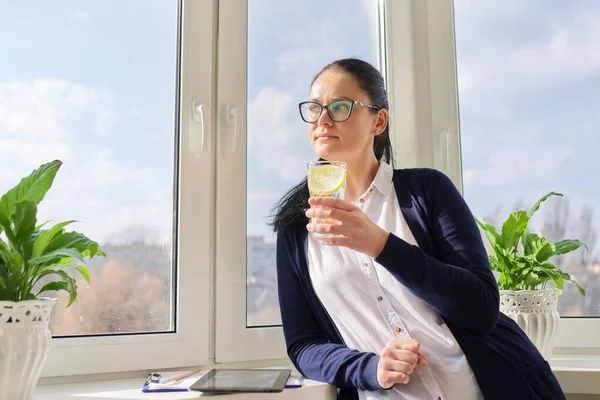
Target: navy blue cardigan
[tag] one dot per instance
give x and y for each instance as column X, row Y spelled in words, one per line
column 449, row 270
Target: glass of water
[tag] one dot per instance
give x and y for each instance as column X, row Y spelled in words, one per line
column 326, row 179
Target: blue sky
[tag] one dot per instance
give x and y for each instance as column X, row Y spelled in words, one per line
column 93, row 87
column 92, row 83
column 529, row 92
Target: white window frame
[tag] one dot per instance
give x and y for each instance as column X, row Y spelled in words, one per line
column 234, row 341
column 190, row 345
column 424, row 99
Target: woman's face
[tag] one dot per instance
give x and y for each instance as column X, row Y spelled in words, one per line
column 351, row 139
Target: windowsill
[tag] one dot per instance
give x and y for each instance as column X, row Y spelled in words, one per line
column 580, row 375
column 130, row 388
column 577, row 374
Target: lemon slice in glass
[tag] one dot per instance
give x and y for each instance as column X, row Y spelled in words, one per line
column 324, row 180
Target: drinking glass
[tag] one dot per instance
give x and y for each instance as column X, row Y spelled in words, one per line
column 326, row 179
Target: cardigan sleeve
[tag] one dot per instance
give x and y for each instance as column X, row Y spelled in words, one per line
column 458, row 283
column 312, row 353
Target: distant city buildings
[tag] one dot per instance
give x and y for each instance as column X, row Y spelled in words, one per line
column 261, row 274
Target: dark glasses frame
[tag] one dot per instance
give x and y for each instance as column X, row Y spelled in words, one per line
column 329, row 112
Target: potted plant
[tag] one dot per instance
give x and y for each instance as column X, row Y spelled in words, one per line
column 522, row 260
column 34, row 259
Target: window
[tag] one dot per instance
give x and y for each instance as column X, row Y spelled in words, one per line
column 100, row 90
column 263, row 146
column 528, row 90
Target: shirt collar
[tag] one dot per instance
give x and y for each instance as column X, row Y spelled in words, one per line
column 383, row 178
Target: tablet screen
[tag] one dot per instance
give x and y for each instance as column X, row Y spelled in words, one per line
column 242, row 380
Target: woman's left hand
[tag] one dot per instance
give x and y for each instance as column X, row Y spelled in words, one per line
column 356, row 230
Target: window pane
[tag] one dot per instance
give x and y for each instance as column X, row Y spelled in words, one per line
column 287, row 46
column 529, row 86
column 92, row 83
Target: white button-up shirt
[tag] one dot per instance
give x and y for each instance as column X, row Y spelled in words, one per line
column 370, row 307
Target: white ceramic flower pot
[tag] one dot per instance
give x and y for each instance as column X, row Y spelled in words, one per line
column 24, row 346
column 536, row 312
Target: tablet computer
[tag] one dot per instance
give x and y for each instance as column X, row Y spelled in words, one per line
column 242, row 380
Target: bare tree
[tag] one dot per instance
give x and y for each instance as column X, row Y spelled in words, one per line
column 519, row 205
column 140, row 234
column 556, row 222
column 588, row 235
column 494, row 218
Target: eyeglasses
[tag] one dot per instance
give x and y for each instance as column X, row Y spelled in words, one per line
column 339, row 110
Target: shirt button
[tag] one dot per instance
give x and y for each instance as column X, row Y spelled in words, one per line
column 362, row 201
column 398, row 329
column 379, row 298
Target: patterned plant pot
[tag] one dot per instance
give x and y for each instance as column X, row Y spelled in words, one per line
column 24, row 346
column 536, row 312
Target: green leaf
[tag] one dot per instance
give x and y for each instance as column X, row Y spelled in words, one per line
column 581, row 290
column 56, row 257
column 24, row 220
column 536, row 206
column 54, row 286
column 499, row 261
column 513, row 228
column 12, row 239
column 40, row 226
column 559, row 282
column 70, row 285
column 541, row 248
column 527, row 240
column 532, row 280
column 33, row 188
column 82, row 270
column 74, row 240
column 564, row 275
column 44, row 238
column 5, row 257
column 490, row 233
column 566, row 246
column 547, row 266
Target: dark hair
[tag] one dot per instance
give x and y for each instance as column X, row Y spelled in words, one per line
column 291, row 207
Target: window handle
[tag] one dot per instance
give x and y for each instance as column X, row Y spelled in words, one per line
column 198, row 138
column 234, row 118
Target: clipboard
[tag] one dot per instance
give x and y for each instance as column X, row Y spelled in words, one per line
column 180, row 381
column 177, row 381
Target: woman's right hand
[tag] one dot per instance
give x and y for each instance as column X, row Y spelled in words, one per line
column 398, row 360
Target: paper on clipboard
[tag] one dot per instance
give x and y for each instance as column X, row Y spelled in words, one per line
column 155, row 382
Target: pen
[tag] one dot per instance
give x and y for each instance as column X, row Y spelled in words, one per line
column 182, row 376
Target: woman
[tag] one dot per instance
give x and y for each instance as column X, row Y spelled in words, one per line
column 402, row 304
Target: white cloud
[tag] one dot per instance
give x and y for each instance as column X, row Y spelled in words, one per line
column 105, row 122
column 275, row 142
column 108, row 197
column 524, row 157
column 289, row 60
column 79, row 16
column 151, row 216
column 558, row 50
column 41, row 121
column 35, row 118
column 103, row 171
column 31, row 152
column 41, row 108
